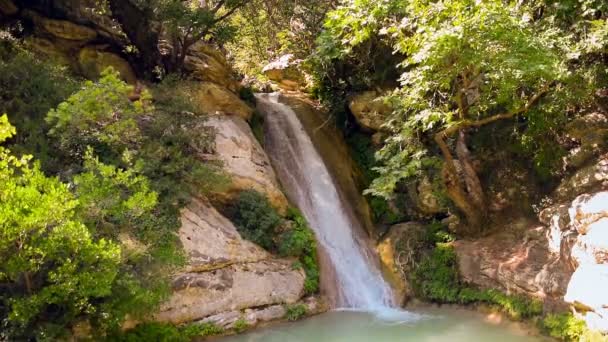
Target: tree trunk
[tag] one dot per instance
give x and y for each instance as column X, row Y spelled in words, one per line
column 138, row 25
column 462, row 184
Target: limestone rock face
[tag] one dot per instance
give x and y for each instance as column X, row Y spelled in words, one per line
column 369, row 110
column 215, row 99
column 236, row 287
column 396, row 255
column 209, row 65
column 244, row 160
column 591, row 132
column 92, row 61
column 286, row 72
column 211, row 241
column 506, row 262
column 591, row 178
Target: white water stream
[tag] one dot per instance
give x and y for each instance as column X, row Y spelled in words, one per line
column 310, row 186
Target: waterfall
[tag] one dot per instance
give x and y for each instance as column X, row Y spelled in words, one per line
column 309, row 184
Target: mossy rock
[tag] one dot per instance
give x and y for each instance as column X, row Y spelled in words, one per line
column 93, row 61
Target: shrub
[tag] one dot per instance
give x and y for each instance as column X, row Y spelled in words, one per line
column 295, row 312
column 436, row 279
column 100, row 115
column 240, row 325
column 202, row 330
column 563, row 326
column 53, row 270
column 300, row 242
column 29, row 88
column 256, row 219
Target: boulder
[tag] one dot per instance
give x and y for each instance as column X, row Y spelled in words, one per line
column 236, row 287
column 215, row 99
column 92, row 61
column 591, row 133
column 208, row 64
column 426, row 199
column 7, row 7
column 369, row 109
column 397, row 254
column 286, row 72
column 244, row 159
column 593, row 177
column 515, row 262
column 211, row 241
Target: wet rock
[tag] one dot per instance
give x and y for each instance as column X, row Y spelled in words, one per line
column 211, row 241
column 92, row 62
column 244, row 159
column 369, row 109
column 286, row 72
column 397, row 252
column 236, row 287
column 215, row 99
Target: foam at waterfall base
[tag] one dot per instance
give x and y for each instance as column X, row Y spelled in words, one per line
column 389, row 315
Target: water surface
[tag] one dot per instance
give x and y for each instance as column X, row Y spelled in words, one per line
column 433, row 325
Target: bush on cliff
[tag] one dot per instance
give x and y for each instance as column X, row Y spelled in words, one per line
column 291, row 236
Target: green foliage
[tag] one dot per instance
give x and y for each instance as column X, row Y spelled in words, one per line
column 100, row 115
column 163, row 332
column 256, row 219
column 435, row 278
column 295, row 312
column 202, row 330
column 153, row 331
column 240, row 325
column 461, row 62
column 299, row 241
column 53, row 271
column 566, row 327
column 267, row 29
column 111, row 199
column 29, row 88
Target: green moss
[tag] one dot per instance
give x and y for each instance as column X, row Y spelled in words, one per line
column 240, row 325
column 290, row 236
column 295, row 312
column 300, row 242
column 436, row 279
column 569, row 328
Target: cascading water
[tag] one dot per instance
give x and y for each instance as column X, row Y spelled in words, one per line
column 309, row 184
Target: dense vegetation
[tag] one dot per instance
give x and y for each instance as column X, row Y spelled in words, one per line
column 94, row 172
column 88, row 224
column 459, row 68
column 259, row 222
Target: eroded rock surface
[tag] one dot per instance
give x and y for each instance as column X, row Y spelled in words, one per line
column 515, row 262
column 244, row 159
column 211, row 241
column 236, row 287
